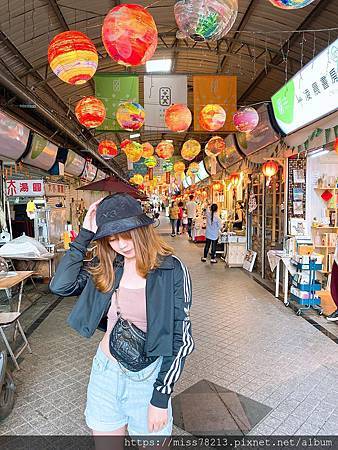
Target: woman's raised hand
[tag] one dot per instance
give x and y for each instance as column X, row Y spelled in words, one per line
column 89, row 222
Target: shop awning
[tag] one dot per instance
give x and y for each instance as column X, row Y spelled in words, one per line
column 113, row 185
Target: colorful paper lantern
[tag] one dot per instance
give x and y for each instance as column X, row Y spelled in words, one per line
column 215, row 146
column 205, row 20
column 165, row 150
column 90, row 112
column 107, row 149
column 194, row 168
column 130, row 116
column 178, row 118
column 212, row 117
column 246, row 119
column 72, row 56
column 335, row 145
column 129, row 34
column 291, row 4
column 190, row 149
column 270, row 168
column 148, row 150
column 167, row 165
column 326, row 195
column 150, row 162
column 132, row 149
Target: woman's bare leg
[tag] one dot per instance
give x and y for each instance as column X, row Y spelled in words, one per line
column 105, row 441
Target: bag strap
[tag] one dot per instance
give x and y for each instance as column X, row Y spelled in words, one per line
column 117, row 303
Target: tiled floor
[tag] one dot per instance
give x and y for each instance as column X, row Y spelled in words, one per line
column 246, row 341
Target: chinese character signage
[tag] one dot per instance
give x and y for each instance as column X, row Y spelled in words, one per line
column 311, row 94
column 215, row 89
column 112, row 90
column 54, row 190
column 160, row 92
column 25, row 188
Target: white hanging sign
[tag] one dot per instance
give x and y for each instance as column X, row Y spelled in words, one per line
column 25, row 188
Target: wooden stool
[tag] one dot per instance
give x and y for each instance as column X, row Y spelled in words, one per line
column 6, row 320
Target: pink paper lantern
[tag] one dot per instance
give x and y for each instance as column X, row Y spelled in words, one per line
column 246, row 119
column 129, row 34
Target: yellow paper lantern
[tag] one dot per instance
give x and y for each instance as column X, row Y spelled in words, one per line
column 190, row 149
column 151, row 162
column 179, row 167
column 194, row 168
column 133, row 150
column 72, row 56
column 138, row 179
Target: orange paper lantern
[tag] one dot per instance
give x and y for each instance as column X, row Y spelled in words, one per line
column 72, row 56
column 178, row 118
column 190, row 149
column 212, row 117
column 165, row 150
column 90, row 112
column 107, row 149
column 148, row 150
column 137, row 178
column 335, row 145
column 179, row 167
column 217, row 186
column 270, row 168
column 129, row 34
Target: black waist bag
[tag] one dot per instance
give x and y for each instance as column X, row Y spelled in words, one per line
column 126, row 344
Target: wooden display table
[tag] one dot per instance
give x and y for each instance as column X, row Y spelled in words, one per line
column 10, row 281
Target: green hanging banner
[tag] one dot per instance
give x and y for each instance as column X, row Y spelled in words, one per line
column 336, row 131
column 112, row 90
column 327, row 135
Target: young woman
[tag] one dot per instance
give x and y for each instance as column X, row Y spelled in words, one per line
column 180, row 217
column 173, row 216
column 137, row 279
column 211, row 234
column 239, row 216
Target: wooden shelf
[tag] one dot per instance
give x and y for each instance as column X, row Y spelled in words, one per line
column 325, row 246
column 326, row 188
column 324, row 228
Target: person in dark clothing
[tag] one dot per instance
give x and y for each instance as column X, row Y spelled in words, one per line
column 180, row 217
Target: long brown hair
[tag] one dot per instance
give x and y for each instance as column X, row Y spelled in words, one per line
column 149, row 248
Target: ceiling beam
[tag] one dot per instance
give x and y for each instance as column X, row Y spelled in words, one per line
column 245, row 19
column 277, row 59
column 56, row 8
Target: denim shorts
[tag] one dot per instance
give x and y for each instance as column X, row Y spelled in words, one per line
column 116, row 397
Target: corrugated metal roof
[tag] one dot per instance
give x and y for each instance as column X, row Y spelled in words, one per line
column 29, row 26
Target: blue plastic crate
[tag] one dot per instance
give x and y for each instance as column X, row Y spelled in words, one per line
column 307, row 287
column 311, row 266
column 305, row 301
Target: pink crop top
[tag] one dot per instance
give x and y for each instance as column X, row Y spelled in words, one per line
column 132, row 305
column 133, row 308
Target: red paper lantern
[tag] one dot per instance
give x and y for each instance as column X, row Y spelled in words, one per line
column 129, row 34
column 270, row 168
column 72, row 56
column 178, row 118
column 335, row 145
column 107, row 149
column 90, row 112
column 165, row 150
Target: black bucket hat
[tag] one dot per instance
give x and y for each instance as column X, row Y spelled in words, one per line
column 118, row 213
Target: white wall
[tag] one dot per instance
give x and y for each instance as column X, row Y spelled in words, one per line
column 316, row 168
